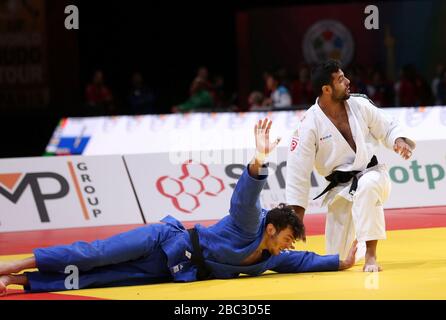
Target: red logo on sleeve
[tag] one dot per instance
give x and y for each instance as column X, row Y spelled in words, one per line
column 294, row 143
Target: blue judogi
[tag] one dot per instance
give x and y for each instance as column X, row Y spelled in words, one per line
column 161, row 252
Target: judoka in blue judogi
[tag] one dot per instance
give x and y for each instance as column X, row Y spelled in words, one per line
column 249, row 240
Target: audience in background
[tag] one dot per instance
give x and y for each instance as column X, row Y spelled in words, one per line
column 441, row 89
column 411, row 89
column 255, row 101
column 301, row 88
column 357, row 79
column 266, row 91
column 200, row 98
column 203, row 74
column 380, row 91
column 280, row 96
column 141, row 98
column 280, row 91
column 98, row 96
column 435, row 84
column 218, row 92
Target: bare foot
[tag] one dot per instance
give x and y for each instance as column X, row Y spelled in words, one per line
column 4, row 282
column 7, row 268
column 371, row 265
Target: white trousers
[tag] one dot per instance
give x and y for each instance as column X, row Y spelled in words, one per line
column 360, row 218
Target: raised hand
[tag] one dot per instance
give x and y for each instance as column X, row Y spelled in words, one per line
column 263, row 144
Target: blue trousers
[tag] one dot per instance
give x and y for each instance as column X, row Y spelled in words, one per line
column 130, row 258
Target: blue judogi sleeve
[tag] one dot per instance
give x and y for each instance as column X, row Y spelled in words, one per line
column 245, row 206
column 304, row 261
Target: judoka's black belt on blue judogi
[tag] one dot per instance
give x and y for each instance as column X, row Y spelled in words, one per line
column 203, row 272
column 338, row 177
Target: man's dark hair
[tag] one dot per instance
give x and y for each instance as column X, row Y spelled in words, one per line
column 321, row 75
column 283, row 216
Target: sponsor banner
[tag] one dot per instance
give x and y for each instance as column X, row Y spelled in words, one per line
column 419, row 181
column 205, row 131
column 199, row 186
column 190, row 191
column 23, row 55
column 65, row 192
column 195, row 186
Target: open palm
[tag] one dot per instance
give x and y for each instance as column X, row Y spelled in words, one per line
column 261, row 133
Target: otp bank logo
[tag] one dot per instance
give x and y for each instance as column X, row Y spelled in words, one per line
column 195, row 181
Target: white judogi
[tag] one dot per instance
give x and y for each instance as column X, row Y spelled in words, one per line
column 318, row 143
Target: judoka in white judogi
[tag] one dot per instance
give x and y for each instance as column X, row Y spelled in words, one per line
column 352, row 214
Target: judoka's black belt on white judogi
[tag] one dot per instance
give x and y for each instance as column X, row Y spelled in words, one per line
column 338, row 177
column 203, row 272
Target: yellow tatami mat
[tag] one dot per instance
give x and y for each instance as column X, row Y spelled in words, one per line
column 414, row 263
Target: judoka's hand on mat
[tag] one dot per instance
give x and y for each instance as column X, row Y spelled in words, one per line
column 263, row 144
column 350, row 260
column 402, row 148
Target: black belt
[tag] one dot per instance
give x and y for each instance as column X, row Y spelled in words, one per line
column 203, row 272
column 337, row 177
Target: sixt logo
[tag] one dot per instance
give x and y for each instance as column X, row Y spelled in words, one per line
column 13, row 185
column 195, row 181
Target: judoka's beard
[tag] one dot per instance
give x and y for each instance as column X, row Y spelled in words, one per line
column 340, row 96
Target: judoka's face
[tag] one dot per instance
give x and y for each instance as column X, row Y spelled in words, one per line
column 340, row 86
column 279, row 241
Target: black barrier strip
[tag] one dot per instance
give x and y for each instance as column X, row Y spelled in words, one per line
column 134, row 190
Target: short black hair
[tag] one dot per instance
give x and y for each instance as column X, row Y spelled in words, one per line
column 283, row 216
column 321, row 75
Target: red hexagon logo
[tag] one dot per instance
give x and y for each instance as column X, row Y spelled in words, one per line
column 195, row 181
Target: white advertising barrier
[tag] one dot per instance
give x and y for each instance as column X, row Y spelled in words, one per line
column 65, row 192
column 190, row 192
column 197, row 186
column 419, row 181
column 205, row 131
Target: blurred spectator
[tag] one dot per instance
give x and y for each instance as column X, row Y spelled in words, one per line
column 355, row 75
column 98, row 96
column 441, row 89
column 283, row 77
column 302, row 89
column 436, row 84
column 203, row 74
column 141, row 98
column 200, row 98
column 412, row 89
column 266, row 91
column 218, row 92
column 280, row 96
column 424, row 92
column 380, row 91
column 255, row 101
column 406, row 88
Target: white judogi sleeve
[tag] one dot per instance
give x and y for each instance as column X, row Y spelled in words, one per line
column 382, row 126
column 300, row 163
